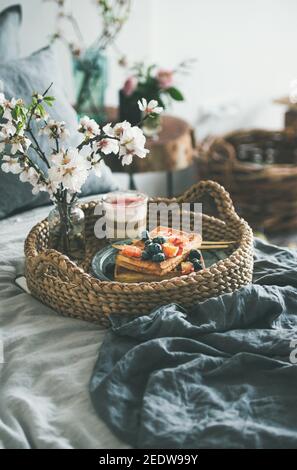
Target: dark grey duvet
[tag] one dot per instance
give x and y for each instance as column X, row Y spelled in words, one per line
column 222, row 375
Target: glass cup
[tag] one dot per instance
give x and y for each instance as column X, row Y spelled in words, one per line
column 125, row 214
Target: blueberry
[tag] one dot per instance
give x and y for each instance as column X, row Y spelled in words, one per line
column 154, row 248
column 194, row 254
column 145, row 235
column 160, row 240
column 159, row 257
column 197, row 265
column 145, row 255
column 148, row 242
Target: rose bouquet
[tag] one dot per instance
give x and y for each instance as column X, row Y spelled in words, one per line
column 62, row 171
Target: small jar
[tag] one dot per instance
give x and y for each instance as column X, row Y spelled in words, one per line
column 67, row 230
column 152, row 126
column 125, row 214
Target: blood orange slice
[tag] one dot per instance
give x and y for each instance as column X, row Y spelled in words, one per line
column 170, row 251
column 132, row 251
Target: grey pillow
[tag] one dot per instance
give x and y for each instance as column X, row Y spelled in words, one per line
column 10, row 20
column 20, row 79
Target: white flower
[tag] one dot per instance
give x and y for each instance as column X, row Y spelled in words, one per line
column 29, row 175
column 106, row 146
column 7, row 130
column 11, row 165
column 36, row 189
column 19, row 143
column 55, row 130
column 45, row 187
column 149, row 108
column 97, row 165
column 70, row 169
column 9, row 106
column 127, row 159
column 70, row 157
column 61, row 158
column 117, row 130
column 72, row 178
column 132, row 144
column 89, row 127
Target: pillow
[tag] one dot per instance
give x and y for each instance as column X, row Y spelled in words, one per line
column 20, row 79
column 10, row 20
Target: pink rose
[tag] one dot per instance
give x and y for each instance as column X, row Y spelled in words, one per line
column 165, row 78
column 130, row 86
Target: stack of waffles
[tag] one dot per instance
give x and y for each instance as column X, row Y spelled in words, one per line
column 138, row 263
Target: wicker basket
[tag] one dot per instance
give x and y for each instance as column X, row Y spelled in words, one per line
column 70, row 290
column 264, row 194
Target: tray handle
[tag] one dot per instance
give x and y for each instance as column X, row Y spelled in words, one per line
column 214, row 148
column 38, row 261
column 221, row 197
column 68, row 270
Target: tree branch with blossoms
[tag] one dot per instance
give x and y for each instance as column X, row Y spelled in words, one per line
column 63, row 171
column 113, row 15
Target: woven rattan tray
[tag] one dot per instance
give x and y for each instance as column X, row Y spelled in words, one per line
column 71, row 290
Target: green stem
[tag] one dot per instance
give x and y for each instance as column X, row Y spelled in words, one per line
column 33, row 165
column 28, row 129
column 65, row 224
column 57, row 145
column 37, row 148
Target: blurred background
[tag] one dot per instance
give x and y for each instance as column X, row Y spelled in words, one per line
column 244, row 50
column 244, row 58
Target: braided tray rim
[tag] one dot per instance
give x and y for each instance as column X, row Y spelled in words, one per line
column 57, row 281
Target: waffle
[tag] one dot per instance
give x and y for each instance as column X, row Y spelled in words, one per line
column 125, row 275
column 192, row 241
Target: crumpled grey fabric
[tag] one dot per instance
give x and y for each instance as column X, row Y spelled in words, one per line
column 48, row 360
column 217, row 376
column 10, row 21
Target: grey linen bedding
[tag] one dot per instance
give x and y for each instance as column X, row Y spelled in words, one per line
column 223, row 375
column 219, row 376
column 44, row 397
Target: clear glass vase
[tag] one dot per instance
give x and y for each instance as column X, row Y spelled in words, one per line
column 152, row 126
column 67, row 230
column 91, row 77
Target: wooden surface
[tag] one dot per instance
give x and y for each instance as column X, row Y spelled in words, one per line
column 173, row 149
